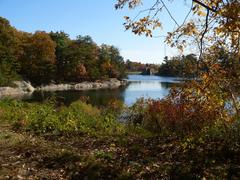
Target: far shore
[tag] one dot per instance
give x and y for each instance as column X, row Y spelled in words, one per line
column 134, row 72
column 25, row 88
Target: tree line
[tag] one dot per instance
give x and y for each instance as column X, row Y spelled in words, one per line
column 181, row 66
column 43, row 57
column 185, row 65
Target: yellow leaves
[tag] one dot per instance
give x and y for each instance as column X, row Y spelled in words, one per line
column 199, row 10
column 106, row 66
column 81, row 70
column 180, row 48
column 205, row 76
column 201, row 13
column 215, row 66
column 218, row 31
column 157, row 24
column 131, row 4
column 134, row 3
column 189, row 29
column 144, row 25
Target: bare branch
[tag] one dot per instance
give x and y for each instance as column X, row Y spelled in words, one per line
column 204, row 5
column 203, row 34
column 185, row 19
column 170, row 14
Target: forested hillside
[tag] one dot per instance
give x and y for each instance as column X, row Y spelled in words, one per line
column 43, row 57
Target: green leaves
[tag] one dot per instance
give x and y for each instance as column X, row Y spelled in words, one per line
column 45, row 57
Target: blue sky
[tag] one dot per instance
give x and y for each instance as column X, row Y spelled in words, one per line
column 96, row 18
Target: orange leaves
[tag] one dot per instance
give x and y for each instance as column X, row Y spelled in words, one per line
column 221, row 24
column 115, row 105
column 126, row 18
column 81, row 70
column 131, row 3
column 189, row 29
column 201, row 13
column 217, row 37
column 188, row 109
column 199, row 10
column 43, row 44
column 182, row 116
column 144, row 25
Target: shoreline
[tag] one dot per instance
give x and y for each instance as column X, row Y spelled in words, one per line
column 25, row 88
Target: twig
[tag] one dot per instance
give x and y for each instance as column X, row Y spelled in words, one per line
column 170, row 14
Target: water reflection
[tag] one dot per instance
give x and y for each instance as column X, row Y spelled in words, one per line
column 168, row 85
column 96, row 97
column 138, row 86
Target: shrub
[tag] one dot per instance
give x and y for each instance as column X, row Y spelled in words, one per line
column 185, row 115
column 79, row 117
column 137, row 112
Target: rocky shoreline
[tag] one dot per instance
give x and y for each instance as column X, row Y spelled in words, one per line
column 25, row 88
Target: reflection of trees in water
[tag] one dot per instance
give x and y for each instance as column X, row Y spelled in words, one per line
column 134, row 82
column 128, row 94
column 96, row 97
column 165, row 85
column 168, row 85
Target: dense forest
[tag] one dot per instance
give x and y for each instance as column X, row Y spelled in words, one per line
column 181, row 66
column 176, row 66
column 188, row 65
column 139, row 67
column 44, row 57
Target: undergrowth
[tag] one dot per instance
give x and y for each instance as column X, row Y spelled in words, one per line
column 77, row 118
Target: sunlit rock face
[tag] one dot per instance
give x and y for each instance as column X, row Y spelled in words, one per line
column 24, row 86
column 20, row 88
column 111, row 83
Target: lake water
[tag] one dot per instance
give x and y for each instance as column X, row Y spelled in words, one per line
column 138, row 86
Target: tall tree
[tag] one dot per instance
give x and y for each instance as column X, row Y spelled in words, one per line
column 62, row 41
column 38, row 60
column 80, row 59
column 89, row 55
column 9, row 48
column 111, row 61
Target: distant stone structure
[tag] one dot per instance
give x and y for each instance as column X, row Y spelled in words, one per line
column 148, row 70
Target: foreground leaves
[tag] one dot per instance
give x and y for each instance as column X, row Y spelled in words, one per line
column 25, row 156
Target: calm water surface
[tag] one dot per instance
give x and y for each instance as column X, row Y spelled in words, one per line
column 138, row 86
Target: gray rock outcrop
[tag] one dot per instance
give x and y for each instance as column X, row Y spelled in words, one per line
column 22, row 88
column 107, row 84
column 25, row 88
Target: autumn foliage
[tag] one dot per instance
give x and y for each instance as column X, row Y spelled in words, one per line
column 212, row 97
column 43, row 57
